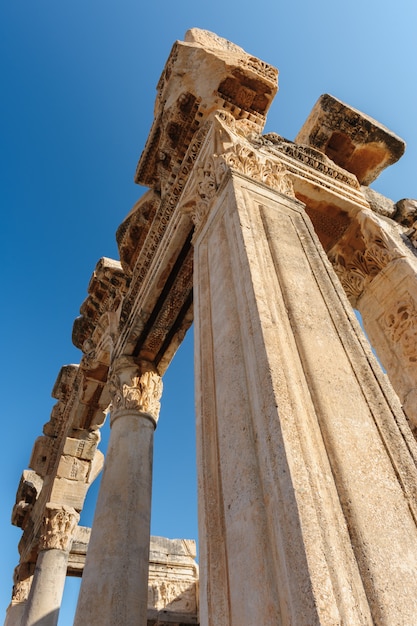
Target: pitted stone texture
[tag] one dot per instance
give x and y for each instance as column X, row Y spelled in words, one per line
column 350, row 138
column 405, row 211
column 27, row 493
column 203, row 74
column 379, row 203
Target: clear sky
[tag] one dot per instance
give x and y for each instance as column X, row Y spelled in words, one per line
column 78, row 85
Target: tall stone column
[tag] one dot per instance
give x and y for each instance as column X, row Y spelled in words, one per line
column 46, row 591
column 307, row 467
column 114, row 587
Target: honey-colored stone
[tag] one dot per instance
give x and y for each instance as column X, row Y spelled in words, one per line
column 350, row 138
column 306, row 461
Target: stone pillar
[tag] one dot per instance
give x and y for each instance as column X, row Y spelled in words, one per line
column 307, row 468
column 46, row 591
column 379, row 275
column 22, row 581
column 114, row 587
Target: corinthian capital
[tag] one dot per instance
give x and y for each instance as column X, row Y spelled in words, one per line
column 135, row 386
column 58, row 528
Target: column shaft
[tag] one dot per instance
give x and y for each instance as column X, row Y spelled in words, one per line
column 114, row 587
column 47, row 589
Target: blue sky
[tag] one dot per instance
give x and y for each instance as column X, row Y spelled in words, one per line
column 78, row 87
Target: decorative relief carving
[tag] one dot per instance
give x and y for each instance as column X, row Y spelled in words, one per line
column 58, row 528
column 309, row 156
column 21, row 590
column 262, row 68
column 135, row 386
column 357, row 268
column 174, row 595
column 244, row 160
column 106, row 289
column 160, row 223
column 400, row 325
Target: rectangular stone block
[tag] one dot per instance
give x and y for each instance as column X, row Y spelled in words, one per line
column 72, row 468
column 70, row 492
column 80, row 448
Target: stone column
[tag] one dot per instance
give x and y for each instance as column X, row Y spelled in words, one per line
column 22, row 581
column 114, row 587
column 46, row 591
column 307, row 467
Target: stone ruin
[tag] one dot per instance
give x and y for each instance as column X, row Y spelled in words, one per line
column 306, row 449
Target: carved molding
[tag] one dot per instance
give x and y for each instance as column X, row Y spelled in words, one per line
column 58, row 528
column 308, row 156
column 135, row 387
column 229, row 148
column 243, row 160
column 357, row 268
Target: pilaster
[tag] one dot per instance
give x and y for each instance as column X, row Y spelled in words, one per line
column 307, row 472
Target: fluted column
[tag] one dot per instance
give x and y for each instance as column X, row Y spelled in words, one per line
column 46, row 591
column 115, row 581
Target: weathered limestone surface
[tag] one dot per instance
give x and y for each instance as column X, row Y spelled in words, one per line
column 45, row 596
column 118, row 595
column 291, row 407
column 351, row 139
column 172, row 581
column 307, row 464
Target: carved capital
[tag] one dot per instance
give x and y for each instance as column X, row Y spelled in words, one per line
column 356, row 268
column 242, row 159
column 58, row 527
column 135, row 386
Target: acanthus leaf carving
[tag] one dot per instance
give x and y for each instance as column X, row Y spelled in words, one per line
column 356, row 269
column 58, row 528
column 135, row 387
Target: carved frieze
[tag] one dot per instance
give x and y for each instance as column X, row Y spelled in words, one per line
column 132, row 232
column 106, row 290
column 58, row 528
column 350, row 138
column 219, row 76
column 135, row 387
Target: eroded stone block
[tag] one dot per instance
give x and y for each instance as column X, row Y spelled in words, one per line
column 83, row 446
column 27, row 493
column 69, row 492
column 42, row 449
column 72, row 468
column 350, row 138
